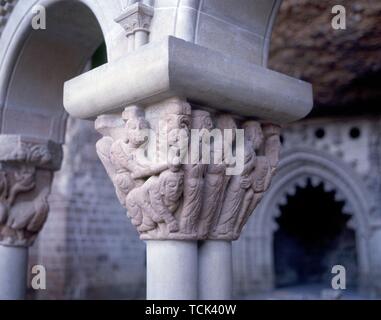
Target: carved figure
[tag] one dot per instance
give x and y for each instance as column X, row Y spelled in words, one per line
column 121, row 151
column 26, row 218
column 194, row 176
column 216, row 179
column 261, row 176
column 239, row 184
column 177, row 199
column 156, row 201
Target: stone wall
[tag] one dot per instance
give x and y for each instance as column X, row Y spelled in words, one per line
column 354, row 145
column 88, row 246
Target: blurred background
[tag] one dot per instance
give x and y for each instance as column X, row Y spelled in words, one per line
column 324, row 206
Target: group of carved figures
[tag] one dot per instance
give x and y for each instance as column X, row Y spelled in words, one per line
column 195, row 200
column 24, row 206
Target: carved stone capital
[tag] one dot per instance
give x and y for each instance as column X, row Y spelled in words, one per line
column 169, row 165
column 27, row 150
column 136, row 17
column 26, row 170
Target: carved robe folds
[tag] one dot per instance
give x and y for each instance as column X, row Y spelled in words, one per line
column 169, row 167
column 26, row 170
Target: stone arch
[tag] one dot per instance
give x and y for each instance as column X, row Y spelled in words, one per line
column 34, row 64
column 296, row 167
column 28, row 57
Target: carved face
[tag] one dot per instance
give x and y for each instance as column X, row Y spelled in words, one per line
column 201, row 120
column 173, row 186
column 175, row 121
column 177, row 127
column 175, row 135
column 271, row 129
column 205, row 124
column 225, row 122
column 137, row 131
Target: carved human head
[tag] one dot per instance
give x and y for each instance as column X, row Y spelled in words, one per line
column 253, row 133
column 271, row 130
column 136, row 126
column 226, row 122
column 202, row 123
column 201, row 120
column 171, row 185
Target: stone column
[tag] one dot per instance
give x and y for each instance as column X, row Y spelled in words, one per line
column 191, row 131
column 180, row 188
column 215, row 270
column 172, row 270
column 142, row 151
column 13, row 272
column 26, row 167
column 136, row 19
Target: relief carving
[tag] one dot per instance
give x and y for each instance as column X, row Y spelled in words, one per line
column 239, row 184
column 153, row 205
column 25, row 175
column 216, row 180
column 194, row 174
column 179, row 195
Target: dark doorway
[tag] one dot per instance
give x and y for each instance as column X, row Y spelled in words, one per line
column 313, row 237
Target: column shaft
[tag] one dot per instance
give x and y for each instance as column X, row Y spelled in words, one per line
column 215, row 270
column 13, row 272
column 171, row 270
column 141, row 38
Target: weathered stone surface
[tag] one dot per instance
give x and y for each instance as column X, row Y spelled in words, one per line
column 343, row 65
column 194, row 199
column 25, row 175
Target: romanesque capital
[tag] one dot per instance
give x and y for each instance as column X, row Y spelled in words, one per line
column 186, row 174
column 26, row 170
column 136, row 17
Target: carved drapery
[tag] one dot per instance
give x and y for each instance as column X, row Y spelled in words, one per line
column 186, row 200
column 26, row 169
